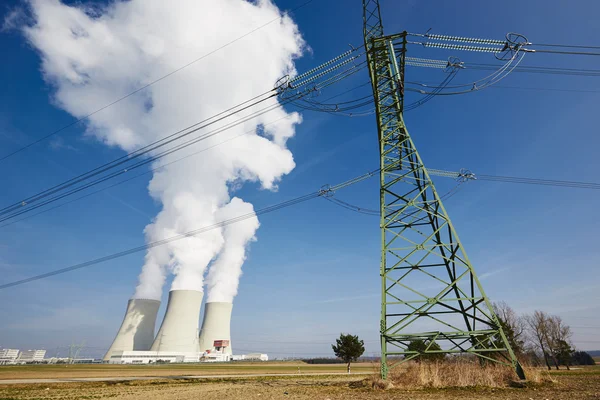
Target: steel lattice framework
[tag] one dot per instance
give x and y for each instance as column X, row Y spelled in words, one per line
column 428, row 284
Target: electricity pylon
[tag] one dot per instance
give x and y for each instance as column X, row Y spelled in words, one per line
column 428, row 284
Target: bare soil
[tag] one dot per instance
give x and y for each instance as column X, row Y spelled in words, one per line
column 574, row 385
column 108, row 370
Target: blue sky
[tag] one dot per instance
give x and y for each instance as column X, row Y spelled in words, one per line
column 313, row 272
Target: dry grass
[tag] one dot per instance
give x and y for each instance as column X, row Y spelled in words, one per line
column 581, row 384
column 450, row 374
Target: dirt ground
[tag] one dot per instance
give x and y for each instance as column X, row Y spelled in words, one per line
column 574, row 385
column 108, row 370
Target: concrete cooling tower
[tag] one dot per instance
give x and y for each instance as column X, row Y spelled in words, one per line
column 216, row 326
column 179, row 329
column 137, row 329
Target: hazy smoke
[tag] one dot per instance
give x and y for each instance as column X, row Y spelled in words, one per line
column 92, row 56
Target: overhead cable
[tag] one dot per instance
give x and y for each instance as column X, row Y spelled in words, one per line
column 150, row 171
column 284, row 14
column 544, row 182
column 576, row 53
column 576, row 46
column 326, row 190
column 138, row 153
column 538, row 69
column 466, row 174
column 125, row 163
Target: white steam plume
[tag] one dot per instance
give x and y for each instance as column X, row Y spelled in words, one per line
column 92, row 56
column 224, row 274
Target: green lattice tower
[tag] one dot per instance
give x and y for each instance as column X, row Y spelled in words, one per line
column 429, row 288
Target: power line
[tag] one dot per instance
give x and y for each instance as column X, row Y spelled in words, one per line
column 513, row 179
column 434, row 85
column 299, row 92
column 585, row 327
column 538, row 69
column 367, row 211
column 139, row 175
column 576, row 53
column 544, row 182
column 151, row 83
column 344, row 204
column 566, row 45
column 546, row 89
column 521, row 68
column 328, row 190
column 134, row 155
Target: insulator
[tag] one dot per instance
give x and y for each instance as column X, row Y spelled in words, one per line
column 439, row 66
column 323, row 73
column 462, row 47
column 465, row 39
column 320, row 67
column 426, row 60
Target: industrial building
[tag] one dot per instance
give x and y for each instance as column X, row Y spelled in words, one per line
column 15, row 356
column 179, row 329
column 251, row 357
column 216, row 328
column 137, row 329
column 178, row 338
column 149, row 357
column 8, row 356
column 31, row 356
column 152, row 357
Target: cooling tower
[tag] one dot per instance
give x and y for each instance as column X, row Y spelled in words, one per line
column 216, row 326
column 137, row 329
column 179, row 329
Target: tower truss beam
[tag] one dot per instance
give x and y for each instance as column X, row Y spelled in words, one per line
column 429, row 289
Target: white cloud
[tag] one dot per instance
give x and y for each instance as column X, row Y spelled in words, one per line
column 497, row 271
column 58, row 143
column 94, row 56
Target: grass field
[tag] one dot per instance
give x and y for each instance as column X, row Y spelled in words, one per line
column 577, row 384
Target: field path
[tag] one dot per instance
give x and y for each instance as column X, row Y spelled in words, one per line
column 147, row 378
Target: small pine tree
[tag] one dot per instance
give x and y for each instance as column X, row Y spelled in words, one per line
column 421, row 345
column 348, row 348
column 563, row 353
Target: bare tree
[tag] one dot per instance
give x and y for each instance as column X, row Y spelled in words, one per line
column 537, row 327
column 512, row 324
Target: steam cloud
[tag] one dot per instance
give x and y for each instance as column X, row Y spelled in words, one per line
column 93, row 55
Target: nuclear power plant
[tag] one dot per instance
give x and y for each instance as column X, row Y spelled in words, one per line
column 137, row 330
column 178, row 339
column 216, row 327
column 179, row 329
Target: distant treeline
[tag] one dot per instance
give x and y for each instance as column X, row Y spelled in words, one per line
column 331, row 360
column 323, row 361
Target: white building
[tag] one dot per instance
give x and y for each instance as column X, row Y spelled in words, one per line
column 148, row 357
column 152, row 357
column 250, row 357
column 29, row 356
column 8, row 356
column 256, row 357
column 216, row 357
